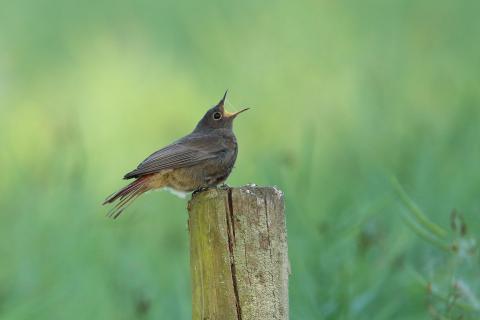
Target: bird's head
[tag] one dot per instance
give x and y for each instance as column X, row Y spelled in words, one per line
column 217, row 117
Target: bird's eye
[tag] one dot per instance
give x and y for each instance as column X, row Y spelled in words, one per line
column 217, row 116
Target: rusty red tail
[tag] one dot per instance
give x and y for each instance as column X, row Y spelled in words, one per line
column 126, row 195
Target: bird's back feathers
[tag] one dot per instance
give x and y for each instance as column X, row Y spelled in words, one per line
column 188, row 151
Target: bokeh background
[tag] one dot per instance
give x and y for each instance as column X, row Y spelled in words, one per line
column 365, row 113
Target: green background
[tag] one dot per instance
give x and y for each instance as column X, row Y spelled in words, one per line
column 344, row 95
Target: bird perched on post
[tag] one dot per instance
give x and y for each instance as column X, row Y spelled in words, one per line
column 201, row 159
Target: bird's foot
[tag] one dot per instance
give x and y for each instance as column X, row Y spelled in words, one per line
column 224, row 186
column 200, row 189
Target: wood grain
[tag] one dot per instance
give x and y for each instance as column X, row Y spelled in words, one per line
column 238, row 254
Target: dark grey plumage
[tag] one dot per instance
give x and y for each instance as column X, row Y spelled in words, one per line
column 203, row 158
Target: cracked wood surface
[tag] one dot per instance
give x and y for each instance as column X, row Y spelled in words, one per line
column 238, row 254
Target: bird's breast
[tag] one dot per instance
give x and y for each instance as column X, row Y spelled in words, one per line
column 210, row 172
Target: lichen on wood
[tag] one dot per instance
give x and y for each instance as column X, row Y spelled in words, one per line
column 238, row 254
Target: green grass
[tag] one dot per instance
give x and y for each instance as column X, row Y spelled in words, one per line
column 344, row 96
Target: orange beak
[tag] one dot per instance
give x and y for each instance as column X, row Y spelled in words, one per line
column 234, row 114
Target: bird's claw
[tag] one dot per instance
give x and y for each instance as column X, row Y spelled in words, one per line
column 198, row 190
column 224, row 186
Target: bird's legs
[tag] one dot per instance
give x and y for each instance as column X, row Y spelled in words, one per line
column 224, row 186
column 200, row 189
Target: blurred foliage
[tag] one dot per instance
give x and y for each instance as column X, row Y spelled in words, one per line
column 344, row 95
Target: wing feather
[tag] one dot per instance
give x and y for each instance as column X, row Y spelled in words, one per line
column 188, row 151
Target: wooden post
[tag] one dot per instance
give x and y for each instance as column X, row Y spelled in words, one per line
column 238, row 254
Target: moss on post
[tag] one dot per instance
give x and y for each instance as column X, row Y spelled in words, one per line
column 238, row 254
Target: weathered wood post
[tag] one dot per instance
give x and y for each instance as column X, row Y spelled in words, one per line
column 238, row 254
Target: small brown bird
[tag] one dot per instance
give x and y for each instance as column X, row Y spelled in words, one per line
column 201, row 159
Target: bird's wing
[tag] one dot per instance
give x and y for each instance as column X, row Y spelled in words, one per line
column 185, row 152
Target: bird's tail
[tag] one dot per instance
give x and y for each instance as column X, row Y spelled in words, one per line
column 126, row 195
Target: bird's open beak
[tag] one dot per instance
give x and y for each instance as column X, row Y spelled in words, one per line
column 234, row 114
column 221, row 102
column 225, row 112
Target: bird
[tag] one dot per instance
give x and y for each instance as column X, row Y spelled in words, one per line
column 198, row 161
